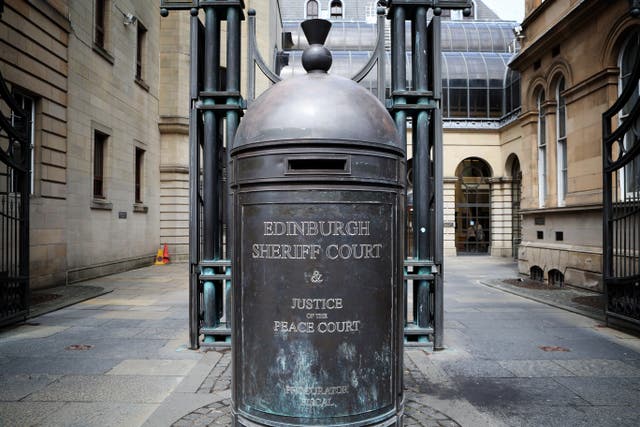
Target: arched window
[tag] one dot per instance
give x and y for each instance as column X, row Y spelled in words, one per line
column 312, row 9
column 336, row 9
column 630, row 179
column 542, row 150
column 561, row 132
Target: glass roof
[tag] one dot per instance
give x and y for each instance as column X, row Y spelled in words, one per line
column 473, row 36
column 457, row 36
column 473, row 82
column 476, row 80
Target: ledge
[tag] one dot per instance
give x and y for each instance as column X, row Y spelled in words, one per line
column 101, row 204
column 562, row 209
column 142, row 84
column 103, row 53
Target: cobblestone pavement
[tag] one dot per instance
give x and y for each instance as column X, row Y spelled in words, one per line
column 417, row 412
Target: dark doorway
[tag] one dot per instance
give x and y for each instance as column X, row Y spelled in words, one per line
column 473, row 207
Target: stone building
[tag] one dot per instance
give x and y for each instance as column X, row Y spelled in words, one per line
column 87, row 73
column 574, row 60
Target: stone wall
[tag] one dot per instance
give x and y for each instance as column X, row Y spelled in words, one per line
column 114, row 232
column 37, row 67
column 566, row 235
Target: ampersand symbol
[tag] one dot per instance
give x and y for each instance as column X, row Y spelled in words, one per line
column 316, row 277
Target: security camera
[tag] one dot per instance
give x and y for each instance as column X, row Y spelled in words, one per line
column 130, row 19
column 517, row 31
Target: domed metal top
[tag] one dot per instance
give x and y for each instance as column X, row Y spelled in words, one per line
column 317, row 106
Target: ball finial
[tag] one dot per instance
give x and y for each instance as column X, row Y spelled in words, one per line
column 316, row 58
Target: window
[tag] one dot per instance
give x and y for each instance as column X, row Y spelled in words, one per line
column 336, row 9
column 138, row 174
column 561, row 132
column 101, row 17
column 140, row 51
column 473, row 84
column 512, row 91
column 630, row 178
column 312, row 9
column 99, row 148
column 24, row 124
column 542, row 150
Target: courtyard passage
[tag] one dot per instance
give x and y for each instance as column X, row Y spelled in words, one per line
column 121, row 359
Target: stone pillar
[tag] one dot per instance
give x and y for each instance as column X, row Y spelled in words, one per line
column 501, row 232
column 449, row 213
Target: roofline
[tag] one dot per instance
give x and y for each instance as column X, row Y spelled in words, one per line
column 564, row 26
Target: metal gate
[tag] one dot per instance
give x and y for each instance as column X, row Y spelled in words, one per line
column 15, row 163
column 621, row 194
column 216, row 107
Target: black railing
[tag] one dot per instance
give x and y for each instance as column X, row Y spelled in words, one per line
column 15, row 155
column 621, row 197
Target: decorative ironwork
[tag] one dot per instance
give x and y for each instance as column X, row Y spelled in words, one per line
column 621, row 194
column 15, row 164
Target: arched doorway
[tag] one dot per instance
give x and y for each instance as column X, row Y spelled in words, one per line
column 473, row 207
column 513, row 166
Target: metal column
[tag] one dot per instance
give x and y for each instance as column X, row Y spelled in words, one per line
column 421, row 107
column 213, row 102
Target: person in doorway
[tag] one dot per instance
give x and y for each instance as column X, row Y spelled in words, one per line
column 471, row 236
column 480, row 237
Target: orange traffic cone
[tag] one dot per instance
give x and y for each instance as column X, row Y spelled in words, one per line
column 165, row 254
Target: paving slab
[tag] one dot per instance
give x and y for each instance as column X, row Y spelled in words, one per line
column 28, row 331
column 58, row 366
column 599, row 368
column 474, row 368
column 569, row 416
column 107, row 388
column 81, row 332
column 130, row 314
column 18, row 386
column 21, row 414
column 99, row 414
column 599, row 391
column 535, row 368
column 153, row 367
column 513, row 392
